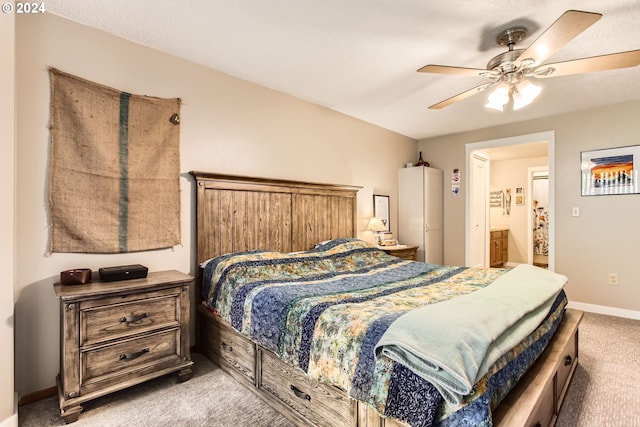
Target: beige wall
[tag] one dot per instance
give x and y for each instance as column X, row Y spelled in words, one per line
column 7, row 217
column 603, row 239
column 228, row 125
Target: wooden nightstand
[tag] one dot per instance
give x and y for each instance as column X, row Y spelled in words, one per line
column 401, row 251
column 117, row 334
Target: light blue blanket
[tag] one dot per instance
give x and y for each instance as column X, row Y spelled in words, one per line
column 453, row 343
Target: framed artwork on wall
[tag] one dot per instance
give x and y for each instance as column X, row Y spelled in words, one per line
column 519, row 196
column 610, row 171
column 381, row 209
column 495, row 199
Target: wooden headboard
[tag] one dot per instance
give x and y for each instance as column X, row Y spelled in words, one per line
column 238, row 213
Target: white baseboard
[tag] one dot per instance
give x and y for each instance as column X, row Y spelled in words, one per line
column 12, row 421
column 602, row 309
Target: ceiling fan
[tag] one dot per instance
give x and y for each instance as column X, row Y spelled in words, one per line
column 511, row 73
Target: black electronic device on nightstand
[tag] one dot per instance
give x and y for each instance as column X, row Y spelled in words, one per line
column 123, row 272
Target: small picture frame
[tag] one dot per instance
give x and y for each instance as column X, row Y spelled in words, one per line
column 519, row 196
column 381, row 209
column 495, row 199
column 610, row 171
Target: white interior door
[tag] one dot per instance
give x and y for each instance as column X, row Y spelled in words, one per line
column 478, row 196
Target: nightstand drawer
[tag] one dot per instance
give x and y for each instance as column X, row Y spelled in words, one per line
column 113, row 318
column 105, row 363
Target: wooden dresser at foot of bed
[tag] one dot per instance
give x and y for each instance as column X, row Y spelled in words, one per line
column 117, row 334
column 534, row 402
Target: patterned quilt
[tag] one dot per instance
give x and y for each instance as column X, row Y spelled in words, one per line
column 324, row 310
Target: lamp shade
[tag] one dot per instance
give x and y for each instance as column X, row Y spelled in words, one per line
column 520, row 90
column 524, row 94
column 376, row 224
column 499, row 97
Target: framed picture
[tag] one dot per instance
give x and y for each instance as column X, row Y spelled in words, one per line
column 519, row 196
column 381, row 209
column 610, row 171
column 495, row 199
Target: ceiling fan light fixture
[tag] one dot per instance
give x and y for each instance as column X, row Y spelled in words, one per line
column 524, row 92
column 510, row 70
column 499, row 97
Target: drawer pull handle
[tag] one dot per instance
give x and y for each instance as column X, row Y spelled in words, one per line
column 226, row 347
column 568, row 361
column 131, row 356
column 133, row 319
column 299, row 393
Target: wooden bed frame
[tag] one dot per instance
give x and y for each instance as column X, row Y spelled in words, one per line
column 237, row 213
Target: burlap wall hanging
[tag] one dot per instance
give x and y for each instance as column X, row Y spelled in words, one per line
column 114, row 178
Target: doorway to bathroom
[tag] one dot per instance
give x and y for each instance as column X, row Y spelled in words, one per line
column 506, row 156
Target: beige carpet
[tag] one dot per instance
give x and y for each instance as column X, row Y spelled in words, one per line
column 209, row 398
column 604, row 392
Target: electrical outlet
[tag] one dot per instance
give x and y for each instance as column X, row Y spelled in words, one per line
column 613, row 279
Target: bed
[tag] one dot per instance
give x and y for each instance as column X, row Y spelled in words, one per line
column 299, row 236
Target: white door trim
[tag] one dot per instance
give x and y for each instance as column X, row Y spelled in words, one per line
column 469, row 218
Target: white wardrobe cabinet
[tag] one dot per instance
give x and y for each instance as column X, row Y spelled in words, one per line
column 420, row 221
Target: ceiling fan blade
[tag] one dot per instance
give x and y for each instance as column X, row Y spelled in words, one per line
column 461, row 71
column 461, row 96
column 561, row 32
column 594, row 63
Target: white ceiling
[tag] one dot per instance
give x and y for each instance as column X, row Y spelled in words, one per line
column 360, row 57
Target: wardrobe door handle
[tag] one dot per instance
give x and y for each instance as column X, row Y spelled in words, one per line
column 568, row 361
